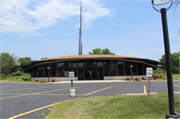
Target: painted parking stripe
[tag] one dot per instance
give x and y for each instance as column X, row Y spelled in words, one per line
column 177, row 85
column 4, row 87
column 32, row 111
column 98, row 90
column 144, row 89
column 24, row 89
column 37, row 93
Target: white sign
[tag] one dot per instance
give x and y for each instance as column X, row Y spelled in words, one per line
column 149, row 71
column 71, row 75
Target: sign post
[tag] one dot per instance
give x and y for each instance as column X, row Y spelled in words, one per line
column 149, row 72
column 71, row 77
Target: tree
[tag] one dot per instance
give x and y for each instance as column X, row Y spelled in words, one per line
column 7, row 63
column 174, row 61
column 44, row 58
column 23, row 60
column 105, row 51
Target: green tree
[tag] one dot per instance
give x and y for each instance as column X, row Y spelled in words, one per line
column 44, row 58
column 174, row 61
column 105, row 51
column 23, row 60
column 7, row 63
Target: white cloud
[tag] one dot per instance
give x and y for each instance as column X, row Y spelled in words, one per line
column 28, row 17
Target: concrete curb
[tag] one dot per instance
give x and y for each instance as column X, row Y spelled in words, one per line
column 95, row 81
column 129, row 94
column 176, row 92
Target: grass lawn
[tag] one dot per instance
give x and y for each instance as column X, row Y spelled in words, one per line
column 176, row 77
column 114, row 106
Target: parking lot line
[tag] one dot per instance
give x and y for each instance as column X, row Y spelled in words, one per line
column 37, row 93
column 144, row 89
column 98, row 90
column 23, row 89
column 177, row 85
column 32, row 111
column 4, row 87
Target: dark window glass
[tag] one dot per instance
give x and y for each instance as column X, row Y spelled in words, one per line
column 127, row 69
column 53, row 70
column 80, row 70
column 67, row 69
column 134, row 69
column 140, row 69
column 106, row 68
column 46, row 71
column 120, row 68
column 60, row 69
column 145, row 70
column 40, row 71
column 100, row 70
column 75, row 69
column 113, row 69
column 34, row 72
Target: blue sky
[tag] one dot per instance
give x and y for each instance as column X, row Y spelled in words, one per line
column 50, row 28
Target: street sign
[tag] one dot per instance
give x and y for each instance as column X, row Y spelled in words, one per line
column 71, row 75
column 149, row 71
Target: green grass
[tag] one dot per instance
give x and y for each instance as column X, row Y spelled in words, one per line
column 176, row 77
column 115, row 106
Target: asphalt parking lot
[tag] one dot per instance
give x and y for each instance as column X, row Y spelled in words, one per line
column 32, row 100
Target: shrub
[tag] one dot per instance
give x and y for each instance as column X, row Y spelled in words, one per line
column 2, row 75
column 160, row 75
column 143, row 78
column 17, row 73
column 137, row 79
column 127, row 78
column 53, row 80
column 36, row 80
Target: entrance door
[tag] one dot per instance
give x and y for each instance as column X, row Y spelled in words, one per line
column 90, row 70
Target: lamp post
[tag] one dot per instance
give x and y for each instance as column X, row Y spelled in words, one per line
column 131, row 72
column 171, row 113
column 48, row 68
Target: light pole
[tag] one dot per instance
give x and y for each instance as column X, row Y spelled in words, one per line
column 171, row 113
column 48, row 68
column 131, row 72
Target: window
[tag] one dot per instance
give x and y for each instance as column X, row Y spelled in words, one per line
column 60, row 69
column 75, row 69
column 134, row 69
column 127, row 69
column 106, row 68
column 46, row 71
column 140, row 69
column 80, row 70
column 53, row 70
column 100, row 70
column 40, row 71
column 113, row 69
column 34, row 72
column 120, row 68
column 67, row 69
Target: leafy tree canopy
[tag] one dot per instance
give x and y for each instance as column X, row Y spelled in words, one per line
column 174, row 61
column 105, row 51
column 23, row 60
column 7, row 63
column 44, row 58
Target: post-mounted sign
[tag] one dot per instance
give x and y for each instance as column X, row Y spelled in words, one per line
column 149, row 71
column 71, row 75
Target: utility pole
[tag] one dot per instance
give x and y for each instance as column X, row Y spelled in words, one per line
column 80, row 29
